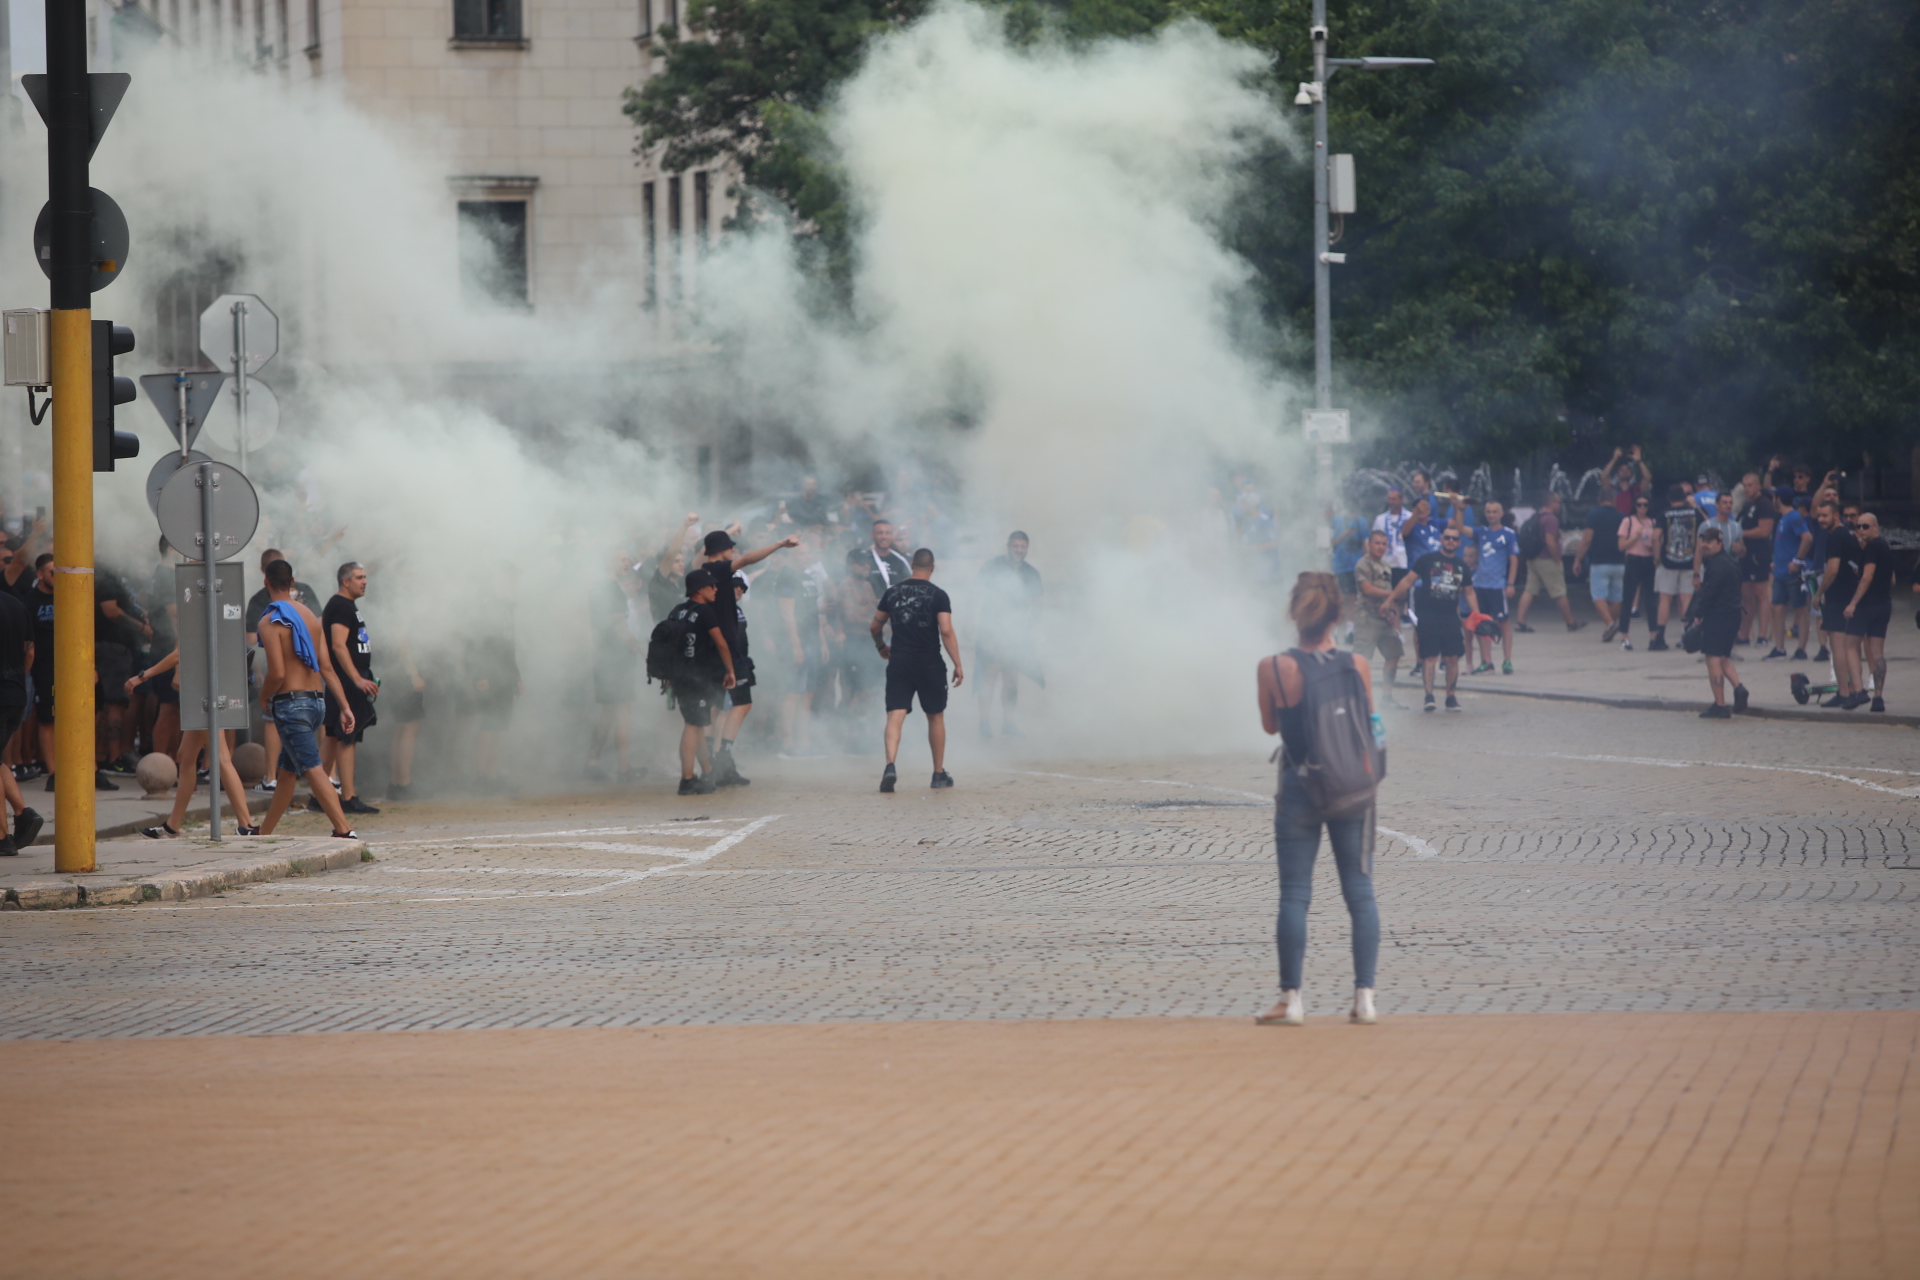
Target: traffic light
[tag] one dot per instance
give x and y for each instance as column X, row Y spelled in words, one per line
column 110, row 340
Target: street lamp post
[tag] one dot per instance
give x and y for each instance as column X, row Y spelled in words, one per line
column 1324, row 427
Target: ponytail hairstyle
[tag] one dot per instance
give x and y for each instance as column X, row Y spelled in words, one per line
column 1315, row 605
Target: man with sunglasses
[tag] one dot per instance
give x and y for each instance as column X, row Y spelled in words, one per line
column 1839, row 575
column 1441, row 578
column 1870, row 609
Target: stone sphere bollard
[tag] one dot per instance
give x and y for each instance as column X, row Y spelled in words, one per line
column 156, row 773
column 250, row 762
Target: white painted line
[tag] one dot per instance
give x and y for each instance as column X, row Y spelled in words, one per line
column 1908, row 793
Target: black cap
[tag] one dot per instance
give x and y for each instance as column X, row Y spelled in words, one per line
column 719, row 540
column 698, row 579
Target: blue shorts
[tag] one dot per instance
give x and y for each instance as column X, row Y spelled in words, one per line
column 298, row 717
column 1790, row 590
column 1607, row 581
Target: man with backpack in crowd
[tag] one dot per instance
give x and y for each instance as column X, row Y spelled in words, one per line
column 1541, row 547
column 1677, row 561
column 688, row 653
column 724, row 560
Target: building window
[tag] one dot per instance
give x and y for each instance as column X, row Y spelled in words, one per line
column 313, row 29
column 702, row 207
column 652, row 243
column 493, row 251
column 486, row 20
column 671, row 18
column 646, row 19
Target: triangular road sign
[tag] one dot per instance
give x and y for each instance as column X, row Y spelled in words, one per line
column 106, row 89
column 202, row 388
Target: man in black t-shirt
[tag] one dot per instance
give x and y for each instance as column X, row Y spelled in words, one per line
column 889, row 566
column 1606, row 565
column 16, row 659
column 725, row 560
column 922, row 618
column 1673, row 574
column 352, row 654
column 1839, row 575
column 1755, row 555
column 1437, row 581
column 707, row 670
column 257, row 605
column 1871, row 608
column 118, row 628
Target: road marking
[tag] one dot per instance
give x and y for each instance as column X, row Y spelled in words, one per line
column 1908, row 793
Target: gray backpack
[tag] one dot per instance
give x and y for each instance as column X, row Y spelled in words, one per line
column 1344, row 765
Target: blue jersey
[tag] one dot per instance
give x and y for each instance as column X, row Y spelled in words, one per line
column 1786, row 540
column 1349, row 542
column 1497, row 547
column 1423, row 536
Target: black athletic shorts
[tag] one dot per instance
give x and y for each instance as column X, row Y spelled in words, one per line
column 697, row 701
column 1717, row 633
column 11, row 714
column 1871, row 621
column 363, row 716
column 1832, row 619
column 43, row 694
column 743, row 682
column 1756, row 571
column 1439, row 635
column 927, row 679
column 113, row 665
column 1493, row 601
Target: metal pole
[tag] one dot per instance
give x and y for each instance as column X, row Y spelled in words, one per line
column 1322, row 282
column 180, row 396
column 210, row 595
column 240, row 375
column 70, row 209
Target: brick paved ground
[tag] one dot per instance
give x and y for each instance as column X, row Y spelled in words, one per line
column 1569, row 859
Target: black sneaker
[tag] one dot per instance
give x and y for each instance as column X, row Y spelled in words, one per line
column 941, row 778
column 1453, row 703
column 1657, row 645
column 887, row 779
column 357, row 805
column 1800, row 655
column 732, row 777
column 1879, row 704
column 125, row 764
column 1613, row 629
column 1855, row 701
column 696, row 787
column 1823, row 655
column 1428, row 704
column 101, row 782
column 26, row 827
column 161, row 832
column 1739, row 697
column 1716, row 713
column 50, row 781
column 1523, row 628
column 8, row 849
column 348, row 834
column 1773, row 654
column 246, row 831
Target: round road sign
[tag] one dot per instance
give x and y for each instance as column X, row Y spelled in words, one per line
column 236, row 511
column 163, row 471
column 106, row 247
column 223, row 420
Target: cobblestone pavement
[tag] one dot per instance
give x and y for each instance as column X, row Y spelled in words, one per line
column 1541, row 858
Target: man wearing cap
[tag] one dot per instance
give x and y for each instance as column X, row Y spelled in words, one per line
column 1716, row 607
column 724, row 559
column 1442, row 581
column 709, row 671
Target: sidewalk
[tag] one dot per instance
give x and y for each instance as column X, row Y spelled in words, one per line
column 1554, row 663
column 142, row 870
column 116, row 813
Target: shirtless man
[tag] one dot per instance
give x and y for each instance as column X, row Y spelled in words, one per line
column 291, row 696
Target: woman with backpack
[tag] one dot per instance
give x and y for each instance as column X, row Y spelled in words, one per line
column 1320, row 701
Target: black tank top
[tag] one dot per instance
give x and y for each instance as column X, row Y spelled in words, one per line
column 1295, row 739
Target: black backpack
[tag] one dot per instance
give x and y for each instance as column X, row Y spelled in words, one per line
column 672, row 646
column 1533, row 539
column 1344, row 765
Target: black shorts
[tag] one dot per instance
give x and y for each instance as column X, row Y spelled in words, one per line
column 113, row 665
column 613, row 681
column 408, row 705
column 43, row 694
column 1870, row 621
column 927, row 679
column 161, row 687
column 1439, row 635
column 697, row 701
column 1394, row 575
column 1717, row 634
column 1833, row 620
column 1493, row 601
column 743, row 682
column 363, row 715
column 1761, row 571
column 11, row 714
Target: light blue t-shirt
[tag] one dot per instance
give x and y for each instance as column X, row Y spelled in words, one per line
column 1349, row 542
column 1497, row 546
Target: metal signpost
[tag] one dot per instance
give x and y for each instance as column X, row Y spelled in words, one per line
column 239, row 333
column 184, row 400
column 209, row 510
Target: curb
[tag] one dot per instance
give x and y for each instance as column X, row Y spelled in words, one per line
column 199, row 882
column 1669, row 704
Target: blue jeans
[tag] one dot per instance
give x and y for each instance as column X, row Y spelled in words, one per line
column 1296, row 838
column 298, row 717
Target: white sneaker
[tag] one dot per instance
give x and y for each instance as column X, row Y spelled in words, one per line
column 1363, row 1013
column 1627, row 645
column 1289, row 1012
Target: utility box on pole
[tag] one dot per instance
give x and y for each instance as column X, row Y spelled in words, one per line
column 1340, row 185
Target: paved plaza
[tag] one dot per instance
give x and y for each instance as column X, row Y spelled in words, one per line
column 805, row 1029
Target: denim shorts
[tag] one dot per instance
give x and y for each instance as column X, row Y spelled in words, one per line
column 1607, row 581
column 1789, row 591
column 298, row 717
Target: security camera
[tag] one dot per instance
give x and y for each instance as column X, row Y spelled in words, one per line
column 1317, row 33
column 1308, row 95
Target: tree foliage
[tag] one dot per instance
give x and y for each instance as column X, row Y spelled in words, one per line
column 1693, row 225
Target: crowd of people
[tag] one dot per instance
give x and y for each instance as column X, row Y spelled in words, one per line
column 1776, row 563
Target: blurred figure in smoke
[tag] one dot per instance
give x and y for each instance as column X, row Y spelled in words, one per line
column 1258, row 539
column 889, row 566
column 797, row 588
column 665, row 588
column 493, row 674
column 807, row 508
column 724, row 560
column 1376, row 626
column 615, row 655
column 408, row 707
column 1393, row 523
column 352, row 653
column 857, row 514
column 850, row 605
column 921, row 616
column 163, row 735
column 1010, row 592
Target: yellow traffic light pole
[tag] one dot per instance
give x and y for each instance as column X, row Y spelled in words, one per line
column 73, row 605
column 70, row 135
